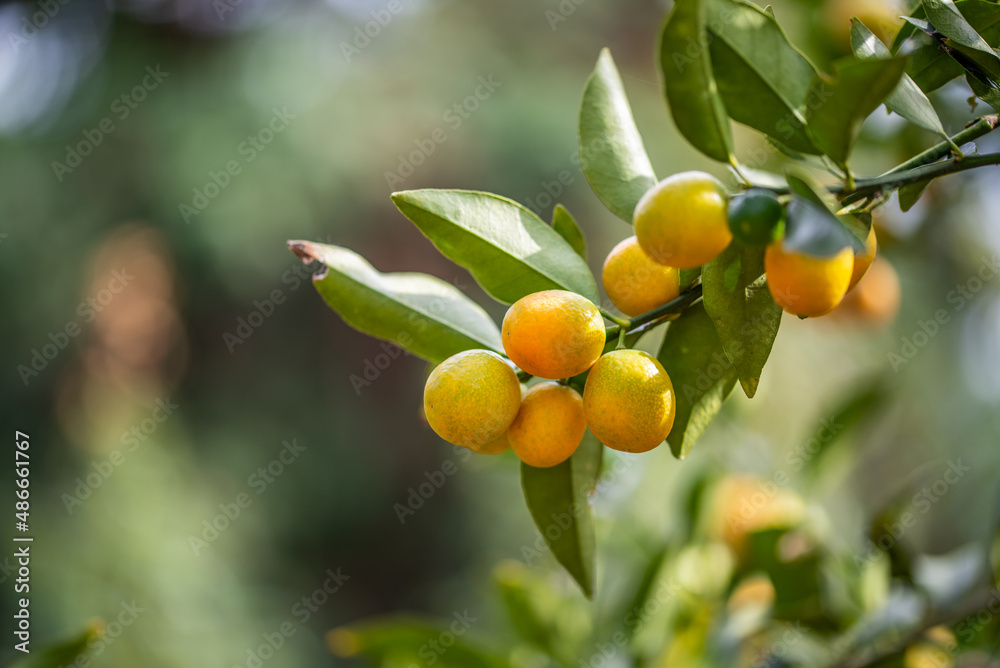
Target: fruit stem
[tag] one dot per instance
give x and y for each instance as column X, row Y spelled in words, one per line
column 621, row 322
column 621, row 339
column 660, row 313
column 673, row 307
column 739, row 174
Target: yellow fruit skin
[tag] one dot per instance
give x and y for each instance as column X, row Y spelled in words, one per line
column 629, row 401
column 553, row 334
column 549, row 426
column 863, row 260
column 635, row 282
column 471, row 398
column 683, row 221
column 807, row 286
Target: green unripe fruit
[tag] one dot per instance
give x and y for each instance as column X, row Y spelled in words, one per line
column 754, row 217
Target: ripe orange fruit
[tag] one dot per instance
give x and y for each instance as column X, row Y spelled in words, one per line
column 549, row 426
column 635, row 282
column 629, row 401
column 553, row 334
column 863, row 259
column 471, row 398
column 683, row 220
column 804, row 285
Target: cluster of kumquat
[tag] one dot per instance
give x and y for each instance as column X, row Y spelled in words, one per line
column 474, row 399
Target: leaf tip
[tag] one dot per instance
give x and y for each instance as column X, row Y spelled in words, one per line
column 303, row 249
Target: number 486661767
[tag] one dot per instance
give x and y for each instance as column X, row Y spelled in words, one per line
column 21, row 471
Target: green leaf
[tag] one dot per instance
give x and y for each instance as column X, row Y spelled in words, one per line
column 811, row 226
column 951, row 23
column 910, row 194
column 745, row 315
column 907, row 30
column 565, row 224
column 930, row 68
column 967, row 47
column 688, row 277
column 907, row 99
column 843, row 103
column 763, row 80
column 984, row 17
column 420, row 313
column 506, row 247
column 985, row 92
column 702, row 375
column 63, row 654
column 557, row 500
column 692, row 93
column 408, row 637
column 611, row 151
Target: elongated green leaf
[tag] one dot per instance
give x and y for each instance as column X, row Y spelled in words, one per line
column 692, row 93
column 988, row 93
column 406, row 639
column 984, row 17
column 506, row 247
column 907, row 99
column 812, row 227
column 950, row 22
column 930, row 68
column 840, row 106
column 907, row 29
column 565, row 224
column 702, row 375
column 966, row 46
column 910, row 194
column 928, row 65
column 745, row 315
column 611, row 151
column 763, row 80
column 557, row 500
column 420, row 313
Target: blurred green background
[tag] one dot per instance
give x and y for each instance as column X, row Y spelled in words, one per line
column 213, row 318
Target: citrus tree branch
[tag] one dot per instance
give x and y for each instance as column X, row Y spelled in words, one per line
column 894, row 180
column 660, row 313
column 926, row 165
column 972, row 132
